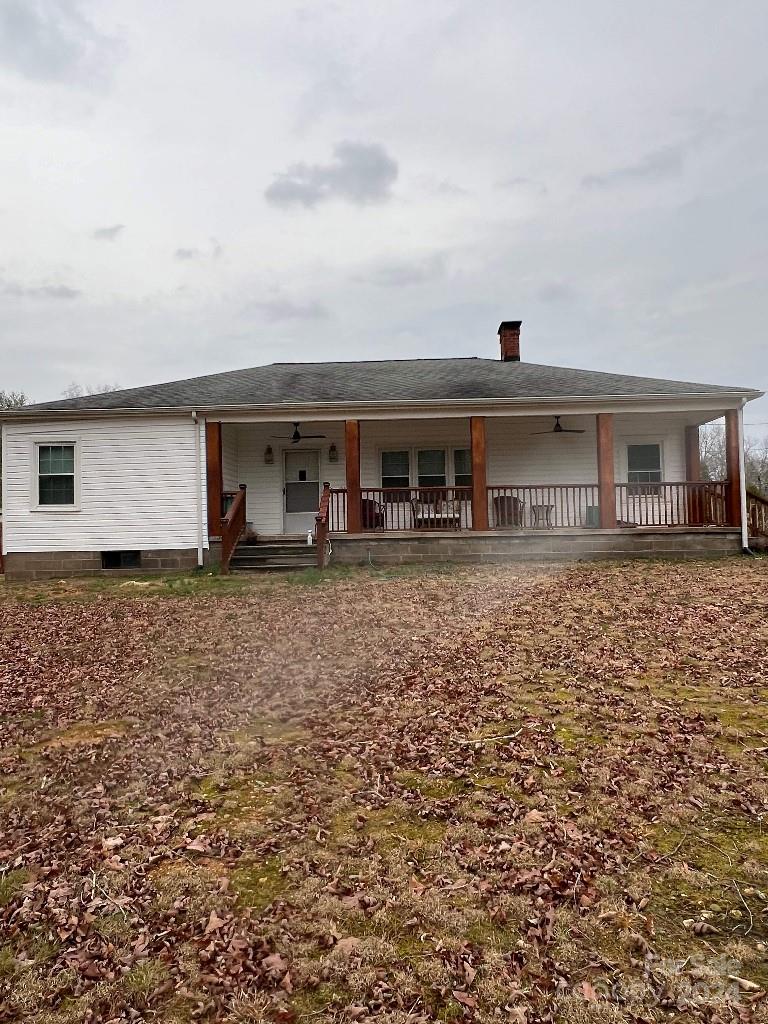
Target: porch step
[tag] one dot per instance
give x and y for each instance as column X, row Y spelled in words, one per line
column 274, row 556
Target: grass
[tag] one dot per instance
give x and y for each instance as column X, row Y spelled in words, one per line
column 408, row 784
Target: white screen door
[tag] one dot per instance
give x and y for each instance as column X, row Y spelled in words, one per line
column 301, row 491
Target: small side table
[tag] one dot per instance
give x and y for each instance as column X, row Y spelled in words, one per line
column 542, row 516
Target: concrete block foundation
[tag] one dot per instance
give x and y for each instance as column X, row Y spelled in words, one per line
column 45, row 565
column 529, row 546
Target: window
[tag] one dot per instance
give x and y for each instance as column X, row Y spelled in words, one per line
column 395, row 469
column 120, row 559
column 643, row 463
column 462, row 467
column 431, row 467
column 56, row 474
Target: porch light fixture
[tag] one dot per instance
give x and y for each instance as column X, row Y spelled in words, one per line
column 269, row 455
column 333, row 453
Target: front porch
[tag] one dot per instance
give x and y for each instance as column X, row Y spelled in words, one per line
column 457, row 486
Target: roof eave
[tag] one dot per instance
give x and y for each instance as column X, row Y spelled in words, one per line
column 347, row 407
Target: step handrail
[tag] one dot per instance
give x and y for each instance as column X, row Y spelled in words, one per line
column 232, row 528
column 321, row 526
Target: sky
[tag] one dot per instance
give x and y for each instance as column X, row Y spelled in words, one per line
column 191, row 187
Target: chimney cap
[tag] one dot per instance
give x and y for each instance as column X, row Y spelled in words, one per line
column 506, row 325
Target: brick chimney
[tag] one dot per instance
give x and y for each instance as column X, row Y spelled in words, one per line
column 509, row 337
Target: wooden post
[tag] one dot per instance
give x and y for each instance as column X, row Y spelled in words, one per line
column 352, row 456
column 694, row 502
column 692, row 455
column 213, row 476
column 606, row 484
column 732, row 468
column 479, row 474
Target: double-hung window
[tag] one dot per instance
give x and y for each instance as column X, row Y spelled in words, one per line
column 644, row 466
column 431, row 467
column 395, row 469
column 462, row 467
column 55, row 475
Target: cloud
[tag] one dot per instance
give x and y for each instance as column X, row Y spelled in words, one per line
column 108, row 234
column 656, row 166
column 50, row 40
column 555, row 292
column 402, row 273
column 518, row 184
column 190, row 254
column 277, row 310
column 359, row 173
column 41, row 291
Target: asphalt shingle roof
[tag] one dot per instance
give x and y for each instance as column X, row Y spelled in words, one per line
column 392, row 380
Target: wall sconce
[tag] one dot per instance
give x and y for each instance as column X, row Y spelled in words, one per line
column 333, row 453
column 269, row 455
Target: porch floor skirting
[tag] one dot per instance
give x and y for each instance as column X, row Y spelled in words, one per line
column 499, row 546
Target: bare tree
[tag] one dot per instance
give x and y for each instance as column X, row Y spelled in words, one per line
column 712, row 446
column 76, row 390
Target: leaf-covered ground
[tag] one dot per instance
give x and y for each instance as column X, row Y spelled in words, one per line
column 493, row 794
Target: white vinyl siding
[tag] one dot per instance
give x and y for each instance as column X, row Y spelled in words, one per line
column 264, row 494
column 516, row 453
column 137, row 487
column 229, row 468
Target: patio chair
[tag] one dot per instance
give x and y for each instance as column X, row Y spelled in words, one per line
column 372, row 514
column 508, row 510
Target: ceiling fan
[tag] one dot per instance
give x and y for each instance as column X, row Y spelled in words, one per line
column 558, row 429
column 296, row 436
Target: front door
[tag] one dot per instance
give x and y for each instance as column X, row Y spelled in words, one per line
column 301, row 491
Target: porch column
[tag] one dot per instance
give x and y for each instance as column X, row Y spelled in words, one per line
column 692, row 455
column 606, row 488
column 352, row 456
column 733, row 468
column 479, row 476
column 213, row 476
column 694, row 503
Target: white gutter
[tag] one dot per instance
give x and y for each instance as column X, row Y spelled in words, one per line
column 743, row 485
column 198, row 488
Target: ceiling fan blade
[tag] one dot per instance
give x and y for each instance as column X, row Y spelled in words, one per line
column 570, row 430
column 535, row 432
column 313, row 435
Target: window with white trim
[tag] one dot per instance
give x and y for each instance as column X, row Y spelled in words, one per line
column 55, row 474
column 644, row 463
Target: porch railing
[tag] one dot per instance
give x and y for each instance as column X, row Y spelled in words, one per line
column 232, row 524
column 543, row 506
column 757, row 514
column 538, row 507
column 416, row 508
column 672, row 504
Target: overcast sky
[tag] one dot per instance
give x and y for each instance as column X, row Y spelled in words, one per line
column 190, row 187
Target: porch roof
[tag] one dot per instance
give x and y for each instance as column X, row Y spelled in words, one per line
column 393, row 380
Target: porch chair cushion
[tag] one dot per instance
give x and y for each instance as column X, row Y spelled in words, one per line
column 432, row 513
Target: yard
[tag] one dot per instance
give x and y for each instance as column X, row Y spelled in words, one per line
column 514, row 794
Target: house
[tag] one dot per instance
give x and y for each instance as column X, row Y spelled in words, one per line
column 387, row 461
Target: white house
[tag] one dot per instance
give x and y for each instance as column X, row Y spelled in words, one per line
column 393, row 460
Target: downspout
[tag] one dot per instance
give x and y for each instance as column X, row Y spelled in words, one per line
column 743, row 487
column 198, row 489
